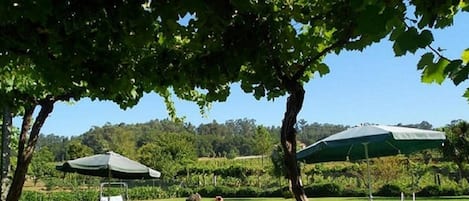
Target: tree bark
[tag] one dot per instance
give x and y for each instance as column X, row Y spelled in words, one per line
column 26, row 146
column 5, row 152
column 288, row 138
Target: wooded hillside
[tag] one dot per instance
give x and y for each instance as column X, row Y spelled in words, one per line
column 232, row 138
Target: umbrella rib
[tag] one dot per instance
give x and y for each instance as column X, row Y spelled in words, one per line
column 390, row 144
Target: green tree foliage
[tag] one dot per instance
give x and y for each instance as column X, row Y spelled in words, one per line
column 228, row 140
column 456, row 146
column 75, row 150
column 276, row 157
column 168, row 153
column 56, row 144
column 310, row 133
column 263, row 142
column 41, row 165
column 118, row 50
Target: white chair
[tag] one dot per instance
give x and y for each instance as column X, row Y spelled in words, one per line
column 112, row 198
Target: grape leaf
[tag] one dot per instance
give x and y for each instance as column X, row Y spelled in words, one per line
column 435, row 72
column 465, row 56
column 425, row 38
column 426, row 59
column 466, row 94
column 323, row 69
column 461, row 75
column 407, row 41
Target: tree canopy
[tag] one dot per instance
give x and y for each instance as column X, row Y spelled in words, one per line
column 118, row 50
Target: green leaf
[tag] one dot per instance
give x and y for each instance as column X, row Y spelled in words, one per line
column 425, row 38
column 464, row 5
column 259, row 92
column 466, row 94
column 461, row 75
column 465, row 56
column 435, row 72
column 453, row 67
column 375, row 26
column 426, row 59
column 396, row 33
column 407, row 41
column 323, row 69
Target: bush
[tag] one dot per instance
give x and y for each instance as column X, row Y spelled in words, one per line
column 450, row 191
column 248, row 192
column 212, row 191
column 59, row 196
column 147, row 193
column 182, row 192
column 432, row 190
column 286, row 193
column 323, row 190
column 273, row 192
column 357, row 192
column 32, row 195
column 389, row 190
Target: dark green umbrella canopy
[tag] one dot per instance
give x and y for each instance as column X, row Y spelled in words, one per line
column 111, row 165
column 364, row 142
column 381, row 141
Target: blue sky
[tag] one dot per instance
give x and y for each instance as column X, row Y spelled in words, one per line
column 371, row 86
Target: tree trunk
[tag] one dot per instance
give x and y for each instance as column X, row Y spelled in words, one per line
column 26, row 146
column 288, row 138
column 461, row 174
column 5, row 153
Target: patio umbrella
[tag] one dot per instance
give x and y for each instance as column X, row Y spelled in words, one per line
column 110, row 165
column 364, row 142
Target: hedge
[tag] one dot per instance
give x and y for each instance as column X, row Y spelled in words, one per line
column 317, row 190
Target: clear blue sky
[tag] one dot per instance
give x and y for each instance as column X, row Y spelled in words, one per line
column 371, row 86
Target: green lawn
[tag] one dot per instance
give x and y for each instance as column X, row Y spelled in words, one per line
column 458, row 198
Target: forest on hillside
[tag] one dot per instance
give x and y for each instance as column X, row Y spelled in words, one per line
column 232, row 138
column 180, row 151
column 168, row 145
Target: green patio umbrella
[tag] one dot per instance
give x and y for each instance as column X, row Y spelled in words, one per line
column 110, row 165
column 364, row 142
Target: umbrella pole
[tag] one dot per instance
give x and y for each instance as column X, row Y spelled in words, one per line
column 109, row 185
column 368, row 170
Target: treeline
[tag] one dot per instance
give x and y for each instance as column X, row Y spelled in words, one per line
column 172, row 146
column 229, row 139
column 233, row 138
column 176, row 149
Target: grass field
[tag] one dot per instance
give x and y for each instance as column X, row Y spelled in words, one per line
column 459, row 198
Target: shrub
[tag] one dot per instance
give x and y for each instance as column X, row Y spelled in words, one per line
column 272, row 192
column 389, row 190
column 32, row 195
column 182, row 192
column 59, row 196
column 147, row 193
column 432, row 190
column 450, row 191
column 248, row 192
column 356, row 192
column 287, row 193
column 212, row 191
column 323, row 190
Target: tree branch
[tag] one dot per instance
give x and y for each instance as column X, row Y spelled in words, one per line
column 309, row 61
column 438, row 53
column 429, row 46
column 47, row 106
column 25, row 126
